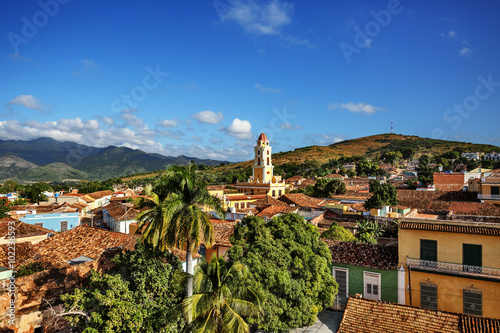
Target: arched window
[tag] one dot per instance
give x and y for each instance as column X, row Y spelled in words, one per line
column 258, row 160
column 258, row 152
column 268, row 161
column 268, row 152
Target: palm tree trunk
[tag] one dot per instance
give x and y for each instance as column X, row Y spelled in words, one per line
column 189, row 270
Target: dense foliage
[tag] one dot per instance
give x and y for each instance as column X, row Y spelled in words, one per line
column 337, row 232
column 326, row 188
column 32, row 267
column 135, row 296
column 222, row 298
column 383, row 195
column 289, row 265
column 173, row 215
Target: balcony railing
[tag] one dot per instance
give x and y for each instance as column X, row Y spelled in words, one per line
column 452, row 268
column 489, row 196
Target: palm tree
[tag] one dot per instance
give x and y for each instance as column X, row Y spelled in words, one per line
column 222, row 298
column 174, row 217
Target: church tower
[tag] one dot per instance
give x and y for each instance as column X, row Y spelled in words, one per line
column 263, row 166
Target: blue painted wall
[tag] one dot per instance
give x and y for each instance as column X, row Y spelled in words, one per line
column 53, row 221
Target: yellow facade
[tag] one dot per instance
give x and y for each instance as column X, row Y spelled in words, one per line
column 262, row 180
column 448, row 271
column 450, row 292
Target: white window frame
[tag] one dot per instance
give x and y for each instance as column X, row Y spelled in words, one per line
column 379, row 284
column 346, row 270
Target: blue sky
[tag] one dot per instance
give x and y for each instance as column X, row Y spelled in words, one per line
column 204, row 78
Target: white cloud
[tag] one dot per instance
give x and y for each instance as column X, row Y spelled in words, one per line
column 86, row 66
column 263, row 89
column 130, row 118
column 465, row 52
column 324, row 139
column 167, row 123
column 289, row 126
column 263, row 18
column 260, row 18
column 172, row 134
column 208, row 117
column 108, row 120
column 28, row 101
column 196, row 138
column 91, row 132
column 452, row 34
column 357, row 108
column 239, row 129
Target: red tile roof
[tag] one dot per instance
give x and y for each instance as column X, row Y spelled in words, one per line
column 82, row 241
column 24, row 251
column 301, row 200
column 456, row 228
column 364, row 255
column 21, row 229
column 366, row 316
column 334, row 175
column 245, row 197
column 100, row 194
column 121, row 212
column 274, row 210
column 369, row 316
column 262, row 137
column 294, row 179
column 268, row 201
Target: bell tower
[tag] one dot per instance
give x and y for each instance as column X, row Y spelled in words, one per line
column 263, row 166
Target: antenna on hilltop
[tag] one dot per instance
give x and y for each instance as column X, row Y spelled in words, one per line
column 392, row 128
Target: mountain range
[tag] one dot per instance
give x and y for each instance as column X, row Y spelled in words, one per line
column 45, row 159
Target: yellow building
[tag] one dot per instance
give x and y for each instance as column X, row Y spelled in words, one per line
column 262, row 180
column 489, row 188
column 450, row 266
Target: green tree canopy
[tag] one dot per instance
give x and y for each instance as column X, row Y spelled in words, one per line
column 289, row 265
column 174, row 218
column 337, row 232
column 135, row 296
column 326, row 188
column 222, row 298
column 383, row 195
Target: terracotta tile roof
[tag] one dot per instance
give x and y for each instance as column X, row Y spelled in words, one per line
column 268, row 201
column 245, row 197
column 100, row 194
column 472, row 324
column 364, row 255
column 222, row 233
column 364, row 316
column 274, row 210
column 359, row 207
column 474, row 208
column 87, row 199
column 81, row 241
column 120, row 211
column 301, row 200
column 456, row 228
column 22, row 229
column 182, row 254
column 333, row 175
column 24, row 251
column 294, row 179
column 307, row 182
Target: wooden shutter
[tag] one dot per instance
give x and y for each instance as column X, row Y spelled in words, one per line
column 428, row 249
column 64, row 226
column 428, row 296
column 341, row 278
column 473, row 302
